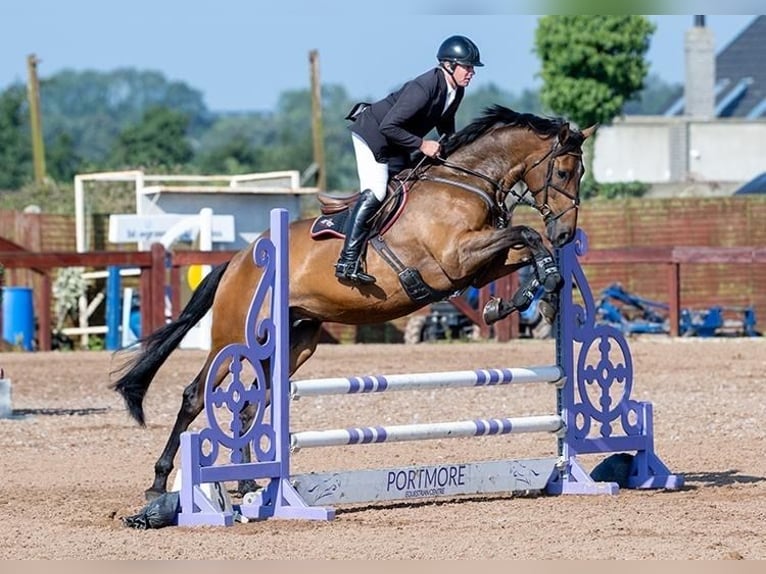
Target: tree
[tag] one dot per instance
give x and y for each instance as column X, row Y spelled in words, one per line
column 591, row 66
column 339, row 152
column 283, row 140
column 94, row 107
column 15, row 144
column 159, row 139
column 62, row 160
column 235, row 156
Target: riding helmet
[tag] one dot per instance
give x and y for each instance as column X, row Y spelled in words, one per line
column 460, row 50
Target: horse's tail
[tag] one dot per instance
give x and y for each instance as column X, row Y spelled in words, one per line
column 158, row 345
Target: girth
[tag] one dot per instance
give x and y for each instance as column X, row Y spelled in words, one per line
column 410, row 278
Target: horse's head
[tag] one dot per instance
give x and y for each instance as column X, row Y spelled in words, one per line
column 504, row 147
column 552, row 174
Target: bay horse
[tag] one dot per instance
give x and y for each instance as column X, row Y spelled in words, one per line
column 451, row 233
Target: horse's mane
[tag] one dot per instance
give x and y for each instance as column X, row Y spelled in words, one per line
column 500, row 116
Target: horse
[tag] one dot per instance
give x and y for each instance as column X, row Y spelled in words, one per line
column 452, row 232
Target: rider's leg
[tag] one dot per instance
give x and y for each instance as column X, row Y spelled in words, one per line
column 348, row 266
column 373, row 178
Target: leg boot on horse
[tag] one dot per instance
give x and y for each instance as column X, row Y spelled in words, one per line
column 497, row 309
column 348, row 267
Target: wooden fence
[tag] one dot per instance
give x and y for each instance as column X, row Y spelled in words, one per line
column 160, row 267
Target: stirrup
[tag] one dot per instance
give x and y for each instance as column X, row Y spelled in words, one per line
column 350, row 272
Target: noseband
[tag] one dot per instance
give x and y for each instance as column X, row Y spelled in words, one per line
column 528, row 197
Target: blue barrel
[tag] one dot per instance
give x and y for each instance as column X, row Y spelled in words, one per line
column 18, row 316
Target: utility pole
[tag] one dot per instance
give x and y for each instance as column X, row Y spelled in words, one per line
column 316, row 121
column 33, row 95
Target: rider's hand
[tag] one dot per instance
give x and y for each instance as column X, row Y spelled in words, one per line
column 430, row 148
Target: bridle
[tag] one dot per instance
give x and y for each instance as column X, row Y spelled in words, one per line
column 545, row 209
column 528, row 196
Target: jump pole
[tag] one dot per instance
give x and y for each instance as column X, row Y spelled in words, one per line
column 624, row 426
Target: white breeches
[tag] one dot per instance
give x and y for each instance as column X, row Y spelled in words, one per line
column 373, row 175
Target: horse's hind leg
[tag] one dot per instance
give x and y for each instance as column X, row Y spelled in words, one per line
column 304, row 337
column 246, row 417
column 191, row 405
column 528, row 249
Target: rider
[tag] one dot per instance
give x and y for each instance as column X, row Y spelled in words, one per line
column 385, row 133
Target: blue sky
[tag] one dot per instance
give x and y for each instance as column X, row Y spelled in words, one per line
column 241, row 54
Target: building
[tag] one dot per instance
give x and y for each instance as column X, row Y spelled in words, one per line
column 710, row 140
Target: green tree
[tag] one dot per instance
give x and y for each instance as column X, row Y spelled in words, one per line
column 61, row 159
column 283, row 140
column 339, row 152
column 235, row 156
column 15, row 141
column 158, row 140
column 93, row 108
column 591, row 66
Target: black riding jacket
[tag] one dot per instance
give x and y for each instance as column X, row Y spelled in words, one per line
column 395, row 126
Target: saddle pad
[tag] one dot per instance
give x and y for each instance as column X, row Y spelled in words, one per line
column 334, row 224
column 330, row 225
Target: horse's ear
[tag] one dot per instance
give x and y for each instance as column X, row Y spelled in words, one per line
column 587, row 132
column 564, row 133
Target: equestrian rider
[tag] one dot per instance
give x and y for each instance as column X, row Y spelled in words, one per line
column 385, row 133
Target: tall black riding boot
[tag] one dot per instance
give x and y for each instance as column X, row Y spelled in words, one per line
column 348, row 266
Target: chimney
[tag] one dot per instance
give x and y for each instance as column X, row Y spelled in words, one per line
column 699, row 90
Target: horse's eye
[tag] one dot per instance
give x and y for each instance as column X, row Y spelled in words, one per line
column 562, row 174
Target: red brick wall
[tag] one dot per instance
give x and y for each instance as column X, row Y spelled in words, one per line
column 721, row 221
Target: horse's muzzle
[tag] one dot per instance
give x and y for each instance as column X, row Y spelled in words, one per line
column 558, row 234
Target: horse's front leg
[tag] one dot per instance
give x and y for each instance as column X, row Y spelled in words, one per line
column 499, row 253
column 547, row 275
column 497, row 308
column 546, row 266
column 523, row 246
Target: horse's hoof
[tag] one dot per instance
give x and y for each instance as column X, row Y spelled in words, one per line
column 553, row 282
column 491, row 313
column 245, row 486
column 548, row 310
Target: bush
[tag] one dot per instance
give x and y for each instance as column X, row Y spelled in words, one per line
column 592, row 189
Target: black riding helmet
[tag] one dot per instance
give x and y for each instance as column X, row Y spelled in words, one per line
column 460, row 50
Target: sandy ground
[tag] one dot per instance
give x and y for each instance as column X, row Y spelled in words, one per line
column 76, row 464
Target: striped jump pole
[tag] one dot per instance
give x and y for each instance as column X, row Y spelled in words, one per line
column 425, row 431
column 588, row 357
column 414, row 381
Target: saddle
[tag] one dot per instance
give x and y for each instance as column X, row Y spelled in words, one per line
column 334, row 210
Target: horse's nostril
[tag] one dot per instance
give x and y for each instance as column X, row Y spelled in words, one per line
column 562, row 238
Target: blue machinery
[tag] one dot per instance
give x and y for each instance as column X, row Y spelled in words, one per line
column 632, row 314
